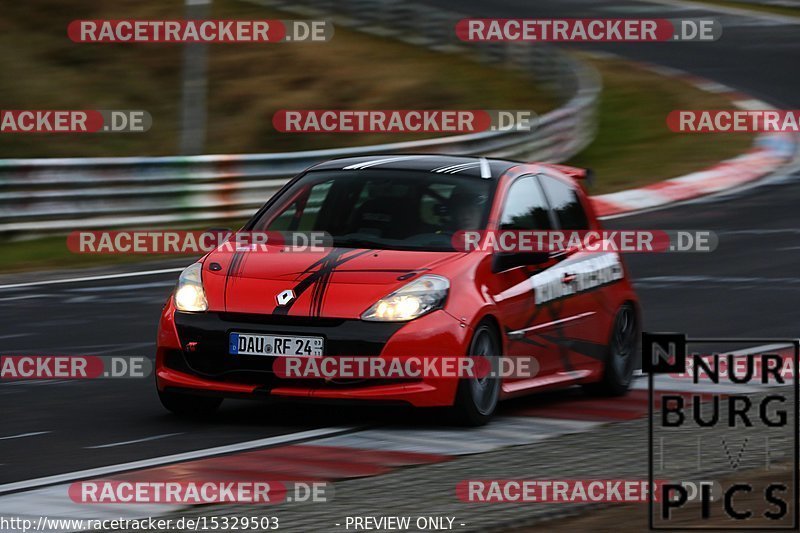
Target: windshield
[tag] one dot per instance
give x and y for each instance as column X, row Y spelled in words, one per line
column 382, row 209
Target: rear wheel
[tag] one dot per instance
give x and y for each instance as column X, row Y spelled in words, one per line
column 476, row 397
column 189, row 405
column 621, row 355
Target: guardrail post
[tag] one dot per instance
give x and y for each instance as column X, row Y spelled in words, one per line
column 193, row 97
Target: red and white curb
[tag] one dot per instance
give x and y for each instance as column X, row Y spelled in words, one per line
column 770, row 151
column 338, row 454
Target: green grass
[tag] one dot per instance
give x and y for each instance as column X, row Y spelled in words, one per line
column 634, row 147
column 43, row 69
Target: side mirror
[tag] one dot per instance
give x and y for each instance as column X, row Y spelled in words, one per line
column 504, row 261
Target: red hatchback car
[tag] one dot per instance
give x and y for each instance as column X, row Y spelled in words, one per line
column 392, row 283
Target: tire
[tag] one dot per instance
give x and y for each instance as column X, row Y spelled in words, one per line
column 188, row 405
column 620, row 357
column 476, row 398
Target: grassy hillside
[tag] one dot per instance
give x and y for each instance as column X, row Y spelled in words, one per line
column 43, row 69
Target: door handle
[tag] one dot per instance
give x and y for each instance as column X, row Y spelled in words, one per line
column 568, row 278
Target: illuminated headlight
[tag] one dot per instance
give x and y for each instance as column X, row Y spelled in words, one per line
column 413, row 300
column 189, row 294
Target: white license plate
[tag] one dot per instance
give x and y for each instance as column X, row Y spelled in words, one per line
column 250, row 344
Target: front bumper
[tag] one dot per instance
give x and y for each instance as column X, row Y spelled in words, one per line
column 206, row 367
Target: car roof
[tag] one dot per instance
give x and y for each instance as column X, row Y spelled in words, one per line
column 442, row 164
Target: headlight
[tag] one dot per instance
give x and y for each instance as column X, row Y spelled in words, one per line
column 189, row 294
column 410, row 301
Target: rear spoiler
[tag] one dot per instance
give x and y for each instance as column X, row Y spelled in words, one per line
column 585, row 174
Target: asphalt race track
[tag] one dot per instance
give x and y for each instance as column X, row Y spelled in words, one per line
column 748, row 287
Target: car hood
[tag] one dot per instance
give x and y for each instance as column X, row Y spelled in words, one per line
column 335, row 282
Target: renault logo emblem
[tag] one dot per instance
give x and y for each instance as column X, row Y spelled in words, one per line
column 285, row 297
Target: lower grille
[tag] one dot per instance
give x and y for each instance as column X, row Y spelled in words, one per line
column 210, row 331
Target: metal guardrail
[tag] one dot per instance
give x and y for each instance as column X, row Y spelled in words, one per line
column 59, row 195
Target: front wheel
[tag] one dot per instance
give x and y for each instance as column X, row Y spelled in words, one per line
column 188, row 405
column 476, row 398
column 621, row 355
